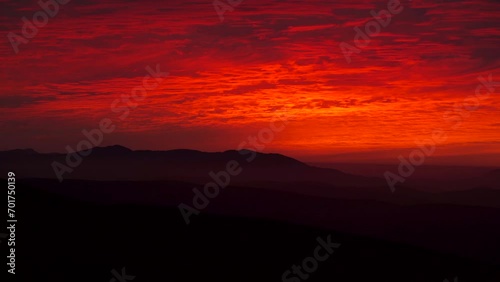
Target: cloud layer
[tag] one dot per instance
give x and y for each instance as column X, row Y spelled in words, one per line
column 229, row 79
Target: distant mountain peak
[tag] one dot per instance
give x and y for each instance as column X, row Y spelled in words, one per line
column 114, row 149
column 117, row 148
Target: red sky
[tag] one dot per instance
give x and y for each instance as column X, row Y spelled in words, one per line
column 229, row 79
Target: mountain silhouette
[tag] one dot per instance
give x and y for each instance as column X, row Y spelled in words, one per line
column 113, row 183
column 120, row 163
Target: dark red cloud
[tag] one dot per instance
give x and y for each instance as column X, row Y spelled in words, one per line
column 229, row 78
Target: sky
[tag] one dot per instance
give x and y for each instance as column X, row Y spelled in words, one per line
column 228, row 79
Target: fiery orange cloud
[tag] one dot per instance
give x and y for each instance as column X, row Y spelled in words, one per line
column 228, row 79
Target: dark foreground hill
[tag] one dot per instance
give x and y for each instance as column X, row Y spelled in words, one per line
column 119, row 208
column 64, row 239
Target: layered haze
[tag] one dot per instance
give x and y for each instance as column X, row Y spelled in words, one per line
column 230, row 78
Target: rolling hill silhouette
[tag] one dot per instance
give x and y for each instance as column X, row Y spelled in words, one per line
column 85, row 239
column 120, row 163
column 258, row 169
column 274, row 194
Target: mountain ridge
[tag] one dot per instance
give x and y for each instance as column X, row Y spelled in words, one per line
column 117, row 162
column 122, row 163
